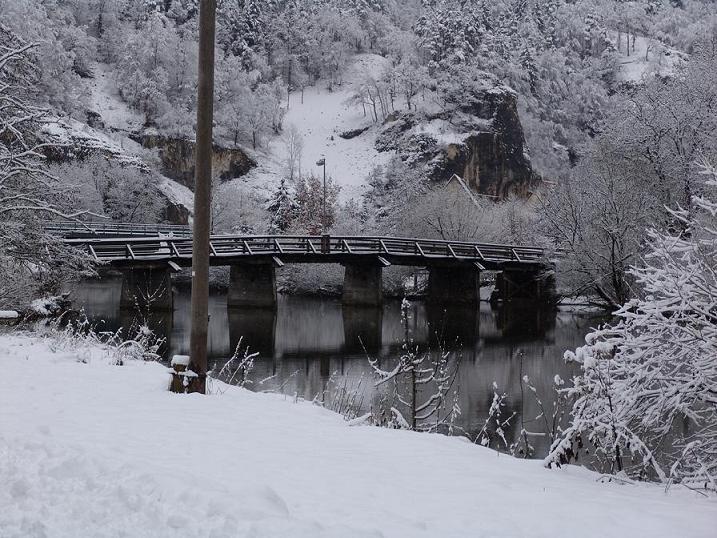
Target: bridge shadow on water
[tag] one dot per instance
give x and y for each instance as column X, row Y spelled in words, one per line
column 309, row 347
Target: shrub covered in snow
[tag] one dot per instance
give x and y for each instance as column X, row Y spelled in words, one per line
column 49, row 306
column 646, row 400
column 134, row 343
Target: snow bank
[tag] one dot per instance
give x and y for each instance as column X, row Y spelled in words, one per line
column 90, row 449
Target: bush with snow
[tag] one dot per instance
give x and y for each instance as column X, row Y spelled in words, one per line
column 49, row 306
column 646, row 400
column 419, row 391
column 134, row 343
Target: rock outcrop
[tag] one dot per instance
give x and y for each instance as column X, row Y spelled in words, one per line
column 177, row 158
column 479, row 137
column 67, row 140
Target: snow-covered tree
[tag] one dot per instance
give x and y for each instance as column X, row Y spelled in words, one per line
column 282, row 208
column 599, row 215
column 131, row 195
column 29, row 196
column 646, row 399
column 450, row 33
column 237, row 209
column 103, row 186
column 56, row 53
column 310, row 200
column 294, row 148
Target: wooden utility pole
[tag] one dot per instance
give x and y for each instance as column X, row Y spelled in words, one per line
column 202, row 198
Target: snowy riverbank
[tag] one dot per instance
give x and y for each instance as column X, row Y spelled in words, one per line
column 91, row 449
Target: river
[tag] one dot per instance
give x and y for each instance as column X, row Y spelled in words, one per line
column 315, row 349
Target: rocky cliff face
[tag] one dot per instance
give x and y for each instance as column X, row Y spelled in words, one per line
column 480, row 138
column 68, row 140
column 177, row 159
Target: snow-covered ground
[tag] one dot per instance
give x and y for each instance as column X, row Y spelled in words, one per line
column 320, row 119
column 107, row 102
column 91, row 449
column 648, row 57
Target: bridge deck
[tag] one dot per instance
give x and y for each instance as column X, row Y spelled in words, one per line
column 230, row 249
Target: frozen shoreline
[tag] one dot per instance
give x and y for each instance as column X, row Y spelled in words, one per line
column 87, row 448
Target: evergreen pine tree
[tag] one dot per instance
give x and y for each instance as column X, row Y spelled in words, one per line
column 282, row 207
column 527, row 62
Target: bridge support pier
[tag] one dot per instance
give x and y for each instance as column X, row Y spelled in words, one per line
column 252, row 284
column 362, row 285
column 146, row 288
column 453, row 285
column 529, row 286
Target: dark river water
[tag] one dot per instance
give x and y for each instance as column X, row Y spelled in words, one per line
column 315, row 349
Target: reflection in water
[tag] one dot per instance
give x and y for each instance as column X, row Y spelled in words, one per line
column 252, row 328
column 310, row 346
column 363, row 329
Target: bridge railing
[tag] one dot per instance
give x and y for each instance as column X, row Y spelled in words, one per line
column 115, row 229
column 232, row 246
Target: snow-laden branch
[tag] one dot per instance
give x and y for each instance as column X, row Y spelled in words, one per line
column 29, row 195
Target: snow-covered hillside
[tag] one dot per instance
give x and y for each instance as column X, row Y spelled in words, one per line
column 106, row 101
column 90, row 449
column 647, row 57
column 320, row 119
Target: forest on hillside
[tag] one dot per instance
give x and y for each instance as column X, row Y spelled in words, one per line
column 616, row 102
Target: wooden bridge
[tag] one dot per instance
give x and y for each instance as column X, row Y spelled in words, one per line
column 148, row 253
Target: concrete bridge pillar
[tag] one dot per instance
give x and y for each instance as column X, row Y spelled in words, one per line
column 253, row 285
column 362, row 285
column 453, row 285
column 146, row 288
column 527, row 286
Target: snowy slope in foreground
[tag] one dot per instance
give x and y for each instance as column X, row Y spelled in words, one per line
column 99, row 450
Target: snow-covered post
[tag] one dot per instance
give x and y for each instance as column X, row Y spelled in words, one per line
column 181, row 375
